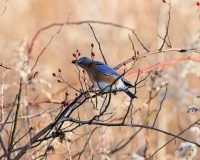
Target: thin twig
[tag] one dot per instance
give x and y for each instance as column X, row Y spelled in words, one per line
column 3, row 146
column 8, row 116
column 167, row 28
column 167, row 43
column 49, row 42
column 174, row 137
column 133, row 46
column 5, row 67
column 145, row 48
column 161, row 103
column 12, row 137
column 4, row 9
column 74, row 23
column 134, row 126
column 129, row 107
column 116, row 149
column 99, row 44
column 79, row 157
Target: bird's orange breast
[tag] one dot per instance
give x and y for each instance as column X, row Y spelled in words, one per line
column 94, row 75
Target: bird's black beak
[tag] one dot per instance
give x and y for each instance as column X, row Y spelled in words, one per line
column 74, row 61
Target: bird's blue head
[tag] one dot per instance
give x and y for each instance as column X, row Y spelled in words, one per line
column 83, row 62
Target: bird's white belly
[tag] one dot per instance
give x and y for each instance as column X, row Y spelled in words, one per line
column 106, row 86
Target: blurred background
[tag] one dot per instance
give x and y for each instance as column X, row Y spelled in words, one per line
column 19, row 22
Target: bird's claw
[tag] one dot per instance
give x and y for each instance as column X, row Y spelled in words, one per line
column 114, row 92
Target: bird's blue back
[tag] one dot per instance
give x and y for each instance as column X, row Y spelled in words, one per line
column 103, row 68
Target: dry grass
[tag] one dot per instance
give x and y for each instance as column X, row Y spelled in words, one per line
column 22, row 19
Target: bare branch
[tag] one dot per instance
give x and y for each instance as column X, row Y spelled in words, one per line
column 160, row 107
column 118, row 148
column 134, row 126
column 3, row 146
column 74, row 23
column 141, row 43
column 4, row 9
column 174, row 137
column 133, row 46
column 12, row 137
column 87, row 141
column 3, row 66
column 99, row 44
column 49, row 42
column 167, row 28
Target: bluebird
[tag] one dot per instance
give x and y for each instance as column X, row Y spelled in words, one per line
column 104, row 77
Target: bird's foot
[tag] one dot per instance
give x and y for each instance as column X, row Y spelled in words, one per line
column 114, row 92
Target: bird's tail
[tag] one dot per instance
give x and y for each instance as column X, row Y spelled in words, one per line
column 131, row 95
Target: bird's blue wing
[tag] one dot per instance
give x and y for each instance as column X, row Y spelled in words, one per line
column 103, row 68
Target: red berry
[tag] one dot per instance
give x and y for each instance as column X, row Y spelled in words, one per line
column 92, row 54
column 65, row 103
column 164, row 1
column 133, row 58
column 198, row 3
column 53, row 74
column 138, row 52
